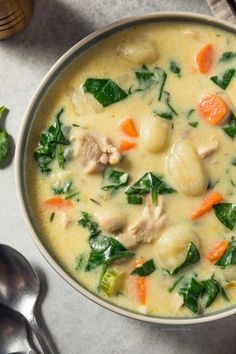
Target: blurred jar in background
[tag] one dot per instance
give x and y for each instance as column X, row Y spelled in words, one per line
column 14, row 16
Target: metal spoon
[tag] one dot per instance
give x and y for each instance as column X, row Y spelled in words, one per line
column 19, row 289
column 13, row 332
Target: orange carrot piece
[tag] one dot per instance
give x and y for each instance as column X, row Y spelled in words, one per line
column 57, row 202
column 212, row 109
column 210, row 199
column 127, row 127
column 126, row 145
column 217, row 251
column 140, row 284
column 205, row 58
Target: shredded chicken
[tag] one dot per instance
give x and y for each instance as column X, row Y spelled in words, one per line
column 110, row 221
column 209, row 148
column 94, row 155
column 147, row 229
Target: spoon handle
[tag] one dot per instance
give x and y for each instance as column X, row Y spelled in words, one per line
column 41, row 337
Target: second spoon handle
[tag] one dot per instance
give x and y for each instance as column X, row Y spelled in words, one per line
column 41, row 337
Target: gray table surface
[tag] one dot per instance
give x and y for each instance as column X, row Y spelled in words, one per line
column 76, row 324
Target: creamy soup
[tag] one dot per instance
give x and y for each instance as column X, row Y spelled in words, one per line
column 131, row 169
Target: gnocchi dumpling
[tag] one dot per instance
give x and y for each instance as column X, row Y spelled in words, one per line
column 186, row 170
column 139, row 49
column 173, row 244
column 155, row 134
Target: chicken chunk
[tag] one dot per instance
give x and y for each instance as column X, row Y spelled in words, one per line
column 209, row 148
column 147, row 229
column 94, row 155
column 110, row 221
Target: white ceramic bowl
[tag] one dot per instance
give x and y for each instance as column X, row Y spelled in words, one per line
column 50, row 77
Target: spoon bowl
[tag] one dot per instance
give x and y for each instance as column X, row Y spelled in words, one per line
column 13, row 332
column 20, row 288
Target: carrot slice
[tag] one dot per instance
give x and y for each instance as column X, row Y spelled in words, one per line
column 126, row 145
column 205, row 58
column 217, row 251
column 127, row 127
column 57, row 202
column 140, row 284
column 210, row 199
column 212, row 109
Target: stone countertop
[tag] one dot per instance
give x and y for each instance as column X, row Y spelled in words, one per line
column 77, row 325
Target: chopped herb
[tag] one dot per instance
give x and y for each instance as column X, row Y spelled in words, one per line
column 175, row 68
column 211, row 184
column 167, row 100
column 190, row 112
column 191, row 294
column 72, row 195
column 193, row 124
column 165, row 115
column 79, row 262
column 192, row 256
column 88, row 222
column 114, row 180
column 226, row 56
column 211, row 290
column 225, row 80
column 134, row 199
column 233, row 161
column 105, row 91
column 229, row 256
column 226, row 213
column 163, row 77
column 146, row 269
column 51, row 146
column 52, row 217
column 230, row 129
column 149, row 183
column 175, row 284
column 4, row 137
column 146, row 78
column 76, row 125
column 233, row 183
column 58, row 189
column 95, row 201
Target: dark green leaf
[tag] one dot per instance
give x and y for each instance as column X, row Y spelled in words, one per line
column 4, row 145
column 115, row 250
column 211, row 184
column 72, row 195
column 52, row 217
column 165, row 115
column 105, row 91
column 175, row 284
column 230, row 129
column 175, row 68
column 146, row 269
column 163, row 76
column 192, row 256
column 113, row 179
column 88, row 222
column 134, row 199
column 226, row 56
column 233, row 161
column 224, row 81
column 167, row 98
column 149, row 183
column 145, row 77
column 226, row 213
column 229, row 256
column 190, row 112
column 193, row 124
column 224, row 294
column 51, row 146
column 79, row 262
column 211, row 290
column 191, row 293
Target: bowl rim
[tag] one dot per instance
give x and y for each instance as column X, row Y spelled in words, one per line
column 97, row 35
